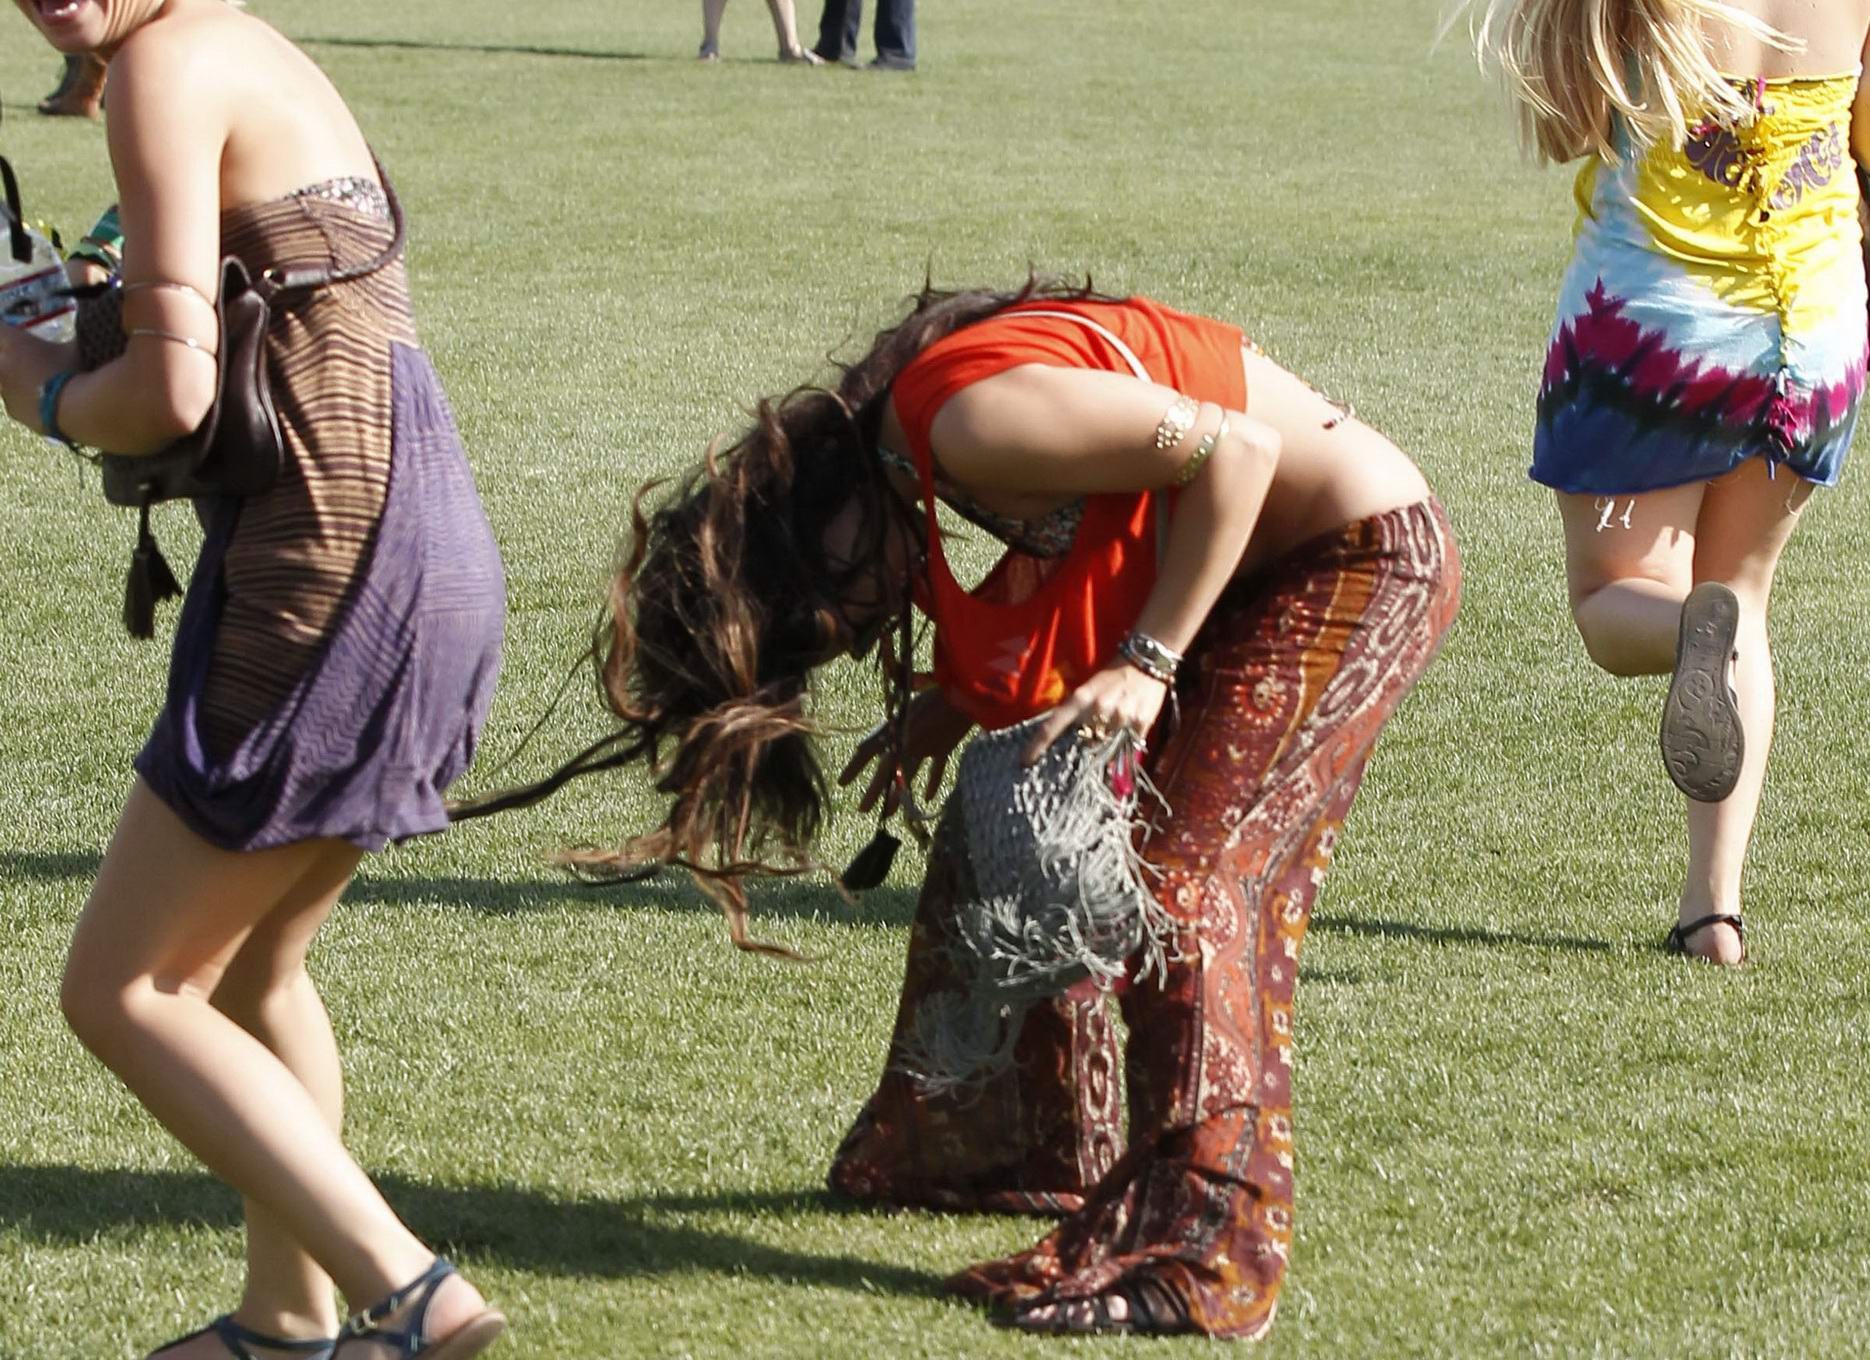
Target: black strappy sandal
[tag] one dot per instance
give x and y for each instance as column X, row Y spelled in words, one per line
column 1676, row 941
column 1151, row 1309
column 238, row 1339
column 1702, row 740
column 406, row 1341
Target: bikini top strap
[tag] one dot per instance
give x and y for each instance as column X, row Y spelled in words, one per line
column 1136, row 367
column 1129, row 355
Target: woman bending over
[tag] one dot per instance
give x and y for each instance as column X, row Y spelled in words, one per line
column 1299, row 583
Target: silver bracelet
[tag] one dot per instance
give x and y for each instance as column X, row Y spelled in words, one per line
column 1150, row 657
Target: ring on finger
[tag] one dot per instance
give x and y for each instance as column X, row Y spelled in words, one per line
column 1096, row 729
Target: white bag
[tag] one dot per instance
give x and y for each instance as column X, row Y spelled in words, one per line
column 33, row 292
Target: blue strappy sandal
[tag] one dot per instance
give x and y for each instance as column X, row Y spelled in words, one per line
column 405, row 1341
column 238, row 1338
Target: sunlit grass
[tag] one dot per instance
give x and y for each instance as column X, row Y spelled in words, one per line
column 1522, row 1130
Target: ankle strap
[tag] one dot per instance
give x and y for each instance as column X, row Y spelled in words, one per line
column 237, row 1338
column 419, row 1291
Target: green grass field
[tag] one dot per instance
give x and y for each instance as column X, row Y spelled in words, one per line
column 1523, row 1130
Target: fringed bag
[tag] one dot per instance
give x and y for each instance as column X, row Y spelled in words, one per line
column 1055, row 892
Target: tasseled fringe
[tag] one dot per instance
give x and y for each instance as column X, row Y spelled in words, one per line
column 872, row 864
column 1060, row 895
column 149, row 582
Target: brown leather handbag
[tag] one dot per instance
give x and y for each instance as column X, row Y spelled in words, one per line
column 238, row 449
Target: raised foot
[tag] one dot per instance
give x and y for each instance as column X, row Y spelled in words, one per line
column 1703, row 744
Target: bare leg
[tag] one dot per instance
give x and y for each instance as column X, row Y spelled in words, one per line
column 786, row 29
column 167, row 920
column 267, row 992
column 1629, row 560
column 1745, row 521
column 711, row 29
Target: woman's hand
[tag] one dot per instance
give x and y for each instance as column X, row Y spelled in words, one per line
column 1117, row 697
column 932, row 728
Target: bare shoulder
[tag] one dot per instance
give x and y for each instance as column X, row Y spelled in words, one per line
column 182, row 52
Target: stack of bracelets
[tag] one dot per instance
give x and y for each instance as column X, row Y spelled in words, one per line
column 1139, row 649
column 1150, row 657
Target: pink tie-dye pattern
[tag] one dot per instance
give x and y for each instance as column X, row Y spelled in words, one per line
column 1603, row 337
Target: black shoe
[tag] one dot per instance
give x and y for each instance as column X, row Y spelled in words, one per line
column 1677, row 941
column 890, row 64
column 1702, row 741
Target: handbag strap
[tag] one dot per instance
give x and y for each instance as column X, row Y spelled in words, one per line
column 21, row 243
column 298, row 278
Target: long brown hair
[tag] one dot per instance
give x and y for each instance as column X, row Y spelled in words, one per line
column 1580, row 69
column 722, row 604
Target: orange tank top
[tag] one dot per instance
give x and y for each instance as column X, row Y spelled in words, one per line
column 1034, row 630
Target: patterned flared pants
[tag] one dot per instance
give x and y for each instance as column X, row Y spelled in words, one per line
column 1281, row 700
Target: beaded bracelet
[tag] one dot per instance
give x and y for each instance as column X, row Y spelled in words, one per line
column 1150, row 657
column 1202, row 452
column 1177, row 421
column 49, row 393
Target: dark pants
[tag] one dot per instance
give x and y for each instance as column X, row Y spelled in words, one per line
column 842, row 24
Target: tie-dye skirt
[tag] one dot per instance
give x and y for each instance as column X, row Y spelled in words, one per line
column 1715, row 306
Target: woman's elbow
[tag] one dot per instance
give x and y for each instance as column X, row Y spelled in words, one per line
column 1260, row 448
column 178, row 403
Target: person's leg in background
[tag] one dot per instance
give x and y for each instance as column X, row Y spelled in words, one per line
column 895, row 35
column 838, row 30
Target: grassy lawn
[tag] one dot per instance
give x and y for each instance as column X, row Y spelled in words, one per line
column 1523, row 1130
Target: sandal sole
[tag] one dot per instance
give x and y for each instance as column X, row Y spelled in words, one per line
column 469, row 1339
column 1703, row 744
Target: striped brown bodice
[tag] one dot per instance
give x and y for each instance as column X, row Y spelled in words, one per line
column 300, row 546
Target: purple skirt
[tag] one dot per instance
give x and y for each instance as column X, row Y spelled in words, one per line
column 387, row 717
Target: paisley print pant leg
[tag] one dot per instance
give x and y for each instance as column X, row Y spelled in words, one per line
column 1033, row 1139
column 1292, row 679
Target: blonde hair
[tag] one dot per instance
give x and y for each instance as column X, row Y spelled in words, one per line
column 1581, row 68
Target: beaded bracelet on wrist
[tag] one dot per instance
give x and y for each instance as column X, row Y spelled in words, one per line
column 1149, row 656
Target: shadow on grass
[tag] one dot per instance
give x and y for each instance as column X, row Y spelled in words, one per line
column 1400, row 930
column 628, row 1238
column 798, row 901
column 670, row 891
column 488, row 49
